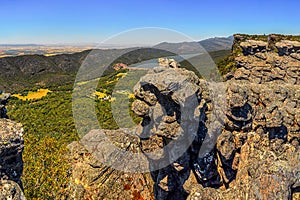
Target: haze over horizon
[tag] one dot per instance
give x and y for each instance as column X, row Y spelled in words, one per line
column 91, row 21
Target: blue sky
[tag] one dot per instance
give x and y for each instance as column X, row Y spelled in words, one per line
column 84, row 21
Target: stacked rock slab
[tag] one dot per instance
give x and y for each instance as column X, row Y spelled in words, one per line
column 258, row 152
column 11, row 164
column 258, row 64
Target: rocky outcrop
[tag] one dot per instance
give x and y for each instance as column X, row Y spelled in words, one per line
column 167, row 106
column 11, row 164
column 237, row 139
column 257, row 154
column 260, row 62
column 256, row 114
column 168, row 62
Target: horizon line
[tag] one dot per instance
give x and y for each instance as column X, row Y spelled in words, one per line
column 98, row 43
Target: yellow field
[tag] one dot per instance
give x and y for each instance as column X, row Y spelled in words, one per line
column 33, row 95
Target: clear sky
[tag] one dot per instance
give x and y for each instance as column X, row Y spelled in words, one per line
column 84, row 21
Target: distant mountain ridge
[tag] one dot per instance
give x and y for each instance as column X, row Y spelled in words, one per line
column 210, row 44
column 217, row 43
column 20, row 45
column 21, row 72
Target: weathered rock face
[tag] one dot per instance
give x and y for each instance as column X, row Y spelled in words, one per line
column 265, row 171
column 260, row 64
column 11, row 164
column 91, row 179
column 257, row 154
column 168, row 99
